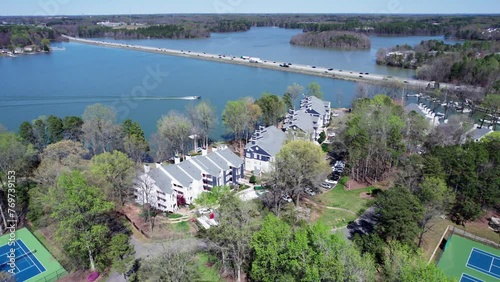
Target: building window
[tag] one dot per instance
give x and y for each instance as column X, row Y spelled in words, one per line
column 248, row 155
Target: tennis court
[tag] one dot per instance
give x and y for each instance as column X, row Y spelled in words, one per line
column 470, row 261
column 484, row 262
column 25, row 266
column 33, row 262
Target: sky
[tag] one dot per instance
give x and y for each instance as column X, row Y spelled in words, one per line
column 106, row 7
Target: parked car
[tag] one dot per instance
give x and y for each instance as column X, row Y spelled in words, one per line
column 286, row 198
column 331, row 181
column 330, row 69
column 309, row 191
column 313, row 67
column 204, row 211
column 326, row 185
column 335, row 114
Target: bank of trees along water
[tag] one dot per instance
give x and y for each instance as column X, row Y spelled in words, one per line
column 332, row 39
column 13, row 36
column 470, row 63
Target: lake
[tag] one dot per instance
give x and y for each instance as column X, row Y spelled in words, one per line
column 65, row 82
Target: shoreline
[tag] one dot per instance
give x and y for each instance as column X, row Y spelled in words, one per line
column 356, row 76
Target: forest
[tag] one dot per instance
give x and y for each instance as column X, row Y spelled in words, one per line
column 332, row 39
column 12, row 36
column 469, row 27
column 471, row 62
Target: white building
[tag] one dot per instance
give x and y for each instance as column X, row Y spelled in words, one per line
column 167, row 185
column 313, row 115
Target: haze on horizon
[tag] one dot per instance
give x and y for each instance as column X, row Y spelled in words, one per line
column 116, row 7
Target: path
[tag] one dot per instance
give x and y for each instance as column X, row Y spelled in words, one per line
column 269, row 64
column 327, row 207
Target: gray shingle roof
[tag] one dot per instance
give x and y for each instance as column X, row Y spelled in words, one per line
column 179, row 175
column 206, row 165
column 317, row 105
column 190, row 169
column 230, row 157
column 478, row 133
column 302, row 120
column 271, row 140
column 161, row 180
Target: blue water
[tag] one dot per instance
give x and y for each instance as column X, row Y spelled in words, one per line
column 65, row 82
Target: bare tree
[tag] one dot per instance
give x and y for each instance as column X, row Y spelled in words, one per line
column 175, row 128
column 145, row 191
column 99, row 128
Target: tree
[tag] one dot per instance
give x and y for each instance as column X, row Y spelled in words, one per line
column 252, row 115
column 322, row 137
column 205, row 119
column 306, row 253
column 415, row 132
column 116, row 170
column 99, row 128
column 54, row 129
column 436, row 198
column 79, row 209
column 175, row 129
column 45, row 44
column 135, row 147
column 235, row 120
column 134, row 142
column 121, row 253
column 403, row 263
column 398, row 213
column 40, row 132
column 299, row 164
column 213, row 197
column 292, row 93
column 273, row 108
column 26, row 133
column 72, row 128
column 170, row 266
column 374, row 138
column 314, row 89
column 231, row 238
column 15, row 156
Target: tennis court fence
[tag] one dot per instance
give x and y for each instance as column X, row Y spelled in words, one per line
column 54, row 276
column 450, row 230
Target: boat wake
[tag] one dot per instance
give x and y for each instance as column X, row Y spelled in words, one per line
column 13, row 101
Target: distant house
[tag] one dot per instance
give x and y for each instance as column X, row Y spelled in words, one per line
column 185, row 181
column 477, row 133
column 262, row 148
column 313, row 115
column 18, row 50
column 29, row 49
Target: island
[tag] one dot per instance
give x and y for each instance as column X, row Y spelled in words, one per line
column 332, row 39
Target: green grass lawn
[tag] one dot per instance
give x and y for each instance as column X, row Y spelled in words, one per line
column 207, row 273
column 346, row 199
column 174, row 215
column 335, row 218
column 181, row 227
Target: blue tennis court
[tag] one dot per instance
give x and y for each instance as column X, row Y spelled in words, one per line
column 26, row 264
column 484, row 262
column 468, row 278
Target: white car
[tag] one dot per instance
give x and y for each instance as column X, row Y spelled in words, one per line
column 309, row 191
column 335, row 114
column 334, row 182
column 204, row 211
column 326, row 185
column 286, row 198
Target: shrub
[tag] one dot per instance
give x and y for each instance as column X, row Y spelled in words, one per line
column 253, row 179
column 322, row 137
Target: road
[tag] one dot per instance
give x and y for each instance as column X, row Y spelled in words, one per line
column 322, row 71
